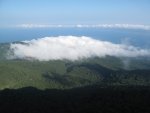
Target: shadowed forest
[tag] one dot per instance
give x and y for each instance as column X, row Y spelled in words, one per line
column 89, row 99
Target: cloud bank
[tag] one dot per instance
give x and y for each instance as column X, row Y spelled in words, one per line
column 120, row 26
column 72, row 48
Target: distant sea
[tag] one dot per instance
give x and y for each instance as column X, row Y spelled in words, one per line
column 140, row 38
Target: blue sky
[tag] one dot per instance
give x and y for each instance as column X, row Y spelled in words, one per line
column 14, row 12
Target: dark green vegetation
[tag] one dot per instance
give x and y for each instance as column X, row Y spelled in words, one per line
column 66, row 74
column 90, row 99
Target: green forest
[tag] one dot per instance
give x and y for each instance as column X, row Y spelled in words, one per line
column 67, row 74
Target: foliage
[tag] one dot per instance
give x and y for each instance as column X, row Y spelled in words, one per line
column 65, row 74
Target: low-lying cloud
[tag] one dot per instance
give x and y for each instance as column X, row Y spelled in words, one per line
column 118, row 26
column 72, row 48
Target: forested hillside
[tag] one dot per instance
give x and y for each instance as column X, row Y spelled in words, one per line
column 66, row 74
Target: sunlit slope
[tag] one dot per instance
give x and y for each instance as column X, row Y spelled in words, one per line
column 64, row 74
column 53, row 74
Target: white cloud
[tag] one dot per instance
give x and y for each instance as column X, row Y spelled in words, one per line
column 125, row 26
column 119, row 26
column 72, row 48
column 38, row 26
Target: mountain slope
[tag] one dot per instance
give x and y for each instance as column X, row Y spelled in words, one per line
column 64, row 74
